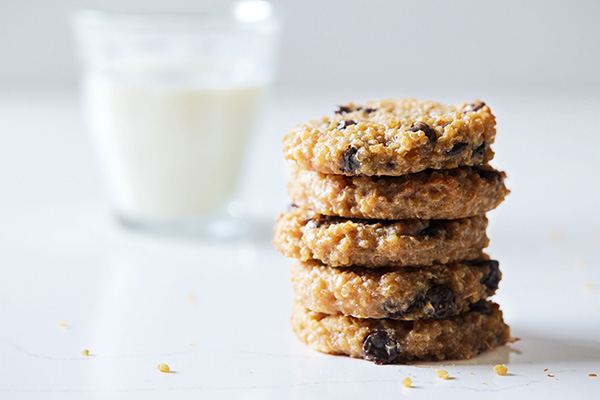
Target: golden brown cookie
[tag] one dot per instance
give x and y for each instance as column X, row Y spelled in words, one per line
column 387, row 341
column 409, row 293
column 302, row 234
column 393, row 137
column 432, row 194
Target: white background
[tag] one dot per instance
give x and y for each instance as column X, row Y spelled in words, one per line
column 123, row 295
column 349, row 42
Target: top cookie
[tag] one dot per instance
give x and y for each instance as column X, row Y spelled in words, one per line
column 393, row 137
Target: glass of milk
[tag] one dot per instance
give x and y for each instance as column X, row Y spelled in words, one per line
column 171, row 98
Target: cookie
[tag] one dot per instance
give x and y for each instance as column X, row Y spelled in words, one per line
column 335, row 241
column 410, row 293
column 390, row 341
column 432, row 194
column 393, row 137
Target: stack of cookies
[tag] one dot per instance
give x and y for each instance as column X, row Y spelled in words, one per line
column 388, row 228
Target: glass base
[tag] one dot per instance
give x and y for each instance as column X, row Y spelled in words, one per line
column 211, row 228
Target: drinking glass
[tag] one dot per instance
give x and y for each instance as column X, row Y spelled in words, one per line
column 171, row 98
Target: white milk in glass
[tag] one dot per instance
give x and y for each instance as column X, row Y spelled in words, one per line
column 171, row 151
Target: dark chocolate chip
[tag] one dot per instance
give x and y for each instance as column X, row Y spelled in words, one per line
column 441, row 299
column 380, row 347
column 368, row 110
column 479, row 152
column 457, row 148
column 314, row 223
column 344, row 124
column 482, row 307
column 427, row 130
column 476, row 105
column 343, row 110
column 349, row 162
column 433, row 230
column 492, row 278
column 395, row 310
column 489, row 174
column 292, row 206
column 375, row 178
column 319, row 221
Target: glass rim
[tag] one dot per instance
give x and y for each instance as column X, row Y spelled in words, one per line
column 233, row 16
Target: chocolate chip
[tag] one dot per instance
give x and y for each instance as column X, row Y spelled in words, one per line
column 479, row 152
column 476, row 105
column 482, row 307
column 343, row 110
column 441, row 301
column 314, row 223
column 375, row 178
column 489, row 174
column 427, row 130
column 457, row 148
column 344, row 124
column 492, row 278
column 395, row 311
column 321, row 220
column 292, row 206
column 349, row 162
column 433, row 230
column 380, row 347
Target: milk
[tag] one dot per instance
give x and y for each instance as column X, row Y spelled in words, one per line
column 170, row 151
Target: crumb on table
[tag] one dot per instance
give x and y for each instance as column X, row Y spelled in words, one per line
column 163, row 368
column 85, row 352
column 500, row 369
column 440, row 373
column 406, row 382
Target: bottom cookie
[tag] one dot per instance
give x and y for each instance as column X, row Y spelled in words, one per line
column 386, row 341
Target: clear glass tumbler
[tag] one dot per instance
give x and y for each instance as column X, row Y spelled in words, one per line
column 171, row 98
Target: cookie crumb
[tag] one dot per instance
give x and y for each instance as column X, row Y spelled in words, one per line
column 406, row 382
column 588, row 286
column 86, row 352
column 63, row 324
column 192, row 344
column 472, row 373
column 546, row 370
column 163, row 368
column 484, row 383
column 593, row 375
column 440, row 373
column 191, row 298
column 500, row 369
column 551, row 376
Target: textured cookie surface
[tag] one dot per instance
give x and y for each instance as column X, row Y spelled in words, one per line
column 410, row 293
column 335, row 241
column 432, row 194
column 393, row 137
column 390, row 341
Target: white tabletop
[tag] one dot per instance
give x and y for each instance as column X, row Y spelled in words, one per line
column 217, row 313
